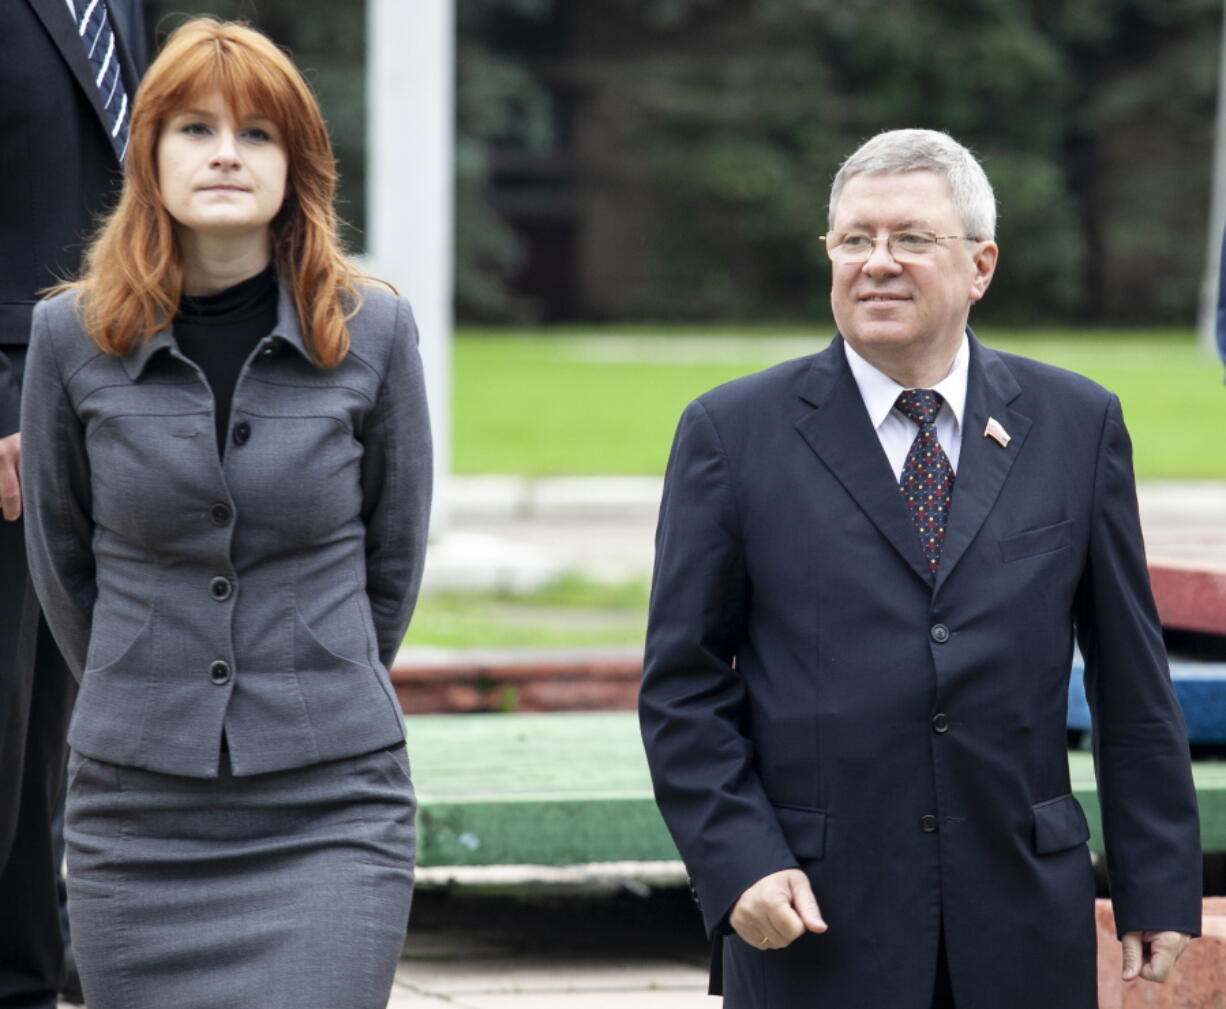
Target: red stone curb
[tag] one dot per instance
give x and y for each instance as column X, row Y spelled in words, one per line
column 466, row 681
column 1197, row 982
column 1191, row 595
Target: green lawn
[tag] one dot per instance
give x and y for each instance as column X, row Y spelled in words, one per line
column 573, row 612
column 605, row 401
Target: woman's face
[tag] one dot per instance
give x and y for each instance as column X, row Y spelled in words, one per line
column 220, row 175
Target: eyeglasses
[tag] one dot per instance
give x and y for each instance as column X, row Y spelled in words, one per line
column 904, row 246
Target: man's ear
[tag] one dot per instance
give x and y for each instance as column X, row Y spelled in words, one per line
column 984, row 259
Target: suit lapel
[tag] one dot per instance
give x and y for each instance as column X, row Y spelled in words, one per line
column 837, row 428
column 58, row 22
column 983, row 464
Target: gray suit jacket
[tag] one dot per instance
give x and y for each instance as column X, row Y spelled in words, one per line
column 263, row 596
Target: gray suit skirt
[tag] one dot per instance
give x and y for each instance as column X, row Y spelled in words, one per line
column 288, row 890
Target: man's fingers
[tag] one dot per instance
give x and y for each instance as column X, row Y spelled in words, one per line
column 784, row 920
column 806, row 904
column 1164, row 950
column 766, row 917
column 10, row 478
column 1131, row 943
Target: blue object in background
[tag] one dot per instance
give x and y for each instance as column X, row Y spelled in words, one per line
column 1199, row 686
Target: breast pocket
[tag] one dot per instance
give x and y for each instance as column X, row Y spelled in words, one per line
column 1042, row 540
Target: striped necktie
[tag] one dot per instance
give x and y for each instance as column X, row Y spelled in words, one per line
column 94, row 28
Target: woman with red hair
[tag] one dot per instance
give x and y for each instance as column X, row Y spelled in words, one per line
column 227, row 478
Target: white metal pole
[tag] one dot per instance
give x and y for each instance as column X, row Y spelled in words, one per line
column 410, row 96
column 1207, row 317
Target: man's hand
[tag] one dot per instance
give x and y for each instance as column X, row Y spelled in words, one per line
column 776, row 910
column 1151, row 955
column 10, row 477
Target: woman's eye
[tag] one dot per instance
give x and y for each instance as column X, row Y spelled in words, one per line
column 258, row 134
column 196, row 129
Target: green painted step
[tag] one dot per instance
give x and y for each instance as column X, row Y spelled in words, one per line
column 571, row 787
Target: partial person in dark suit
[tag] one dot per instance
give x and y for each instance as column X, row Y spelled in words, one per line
column 61, row 157
column 872, row 566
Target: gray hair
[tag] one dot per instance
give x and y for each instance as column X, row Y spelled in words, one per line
column 897, row 151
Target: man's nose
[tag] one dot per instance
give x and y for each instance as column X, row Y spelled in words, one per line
column 880, row 260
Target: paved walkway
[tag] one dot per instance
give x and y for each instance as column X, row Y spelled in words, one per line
column 514, row 533
column 553, row 950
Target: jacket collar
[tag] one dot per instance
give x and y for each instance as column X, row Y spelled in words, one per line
column 286, row 331
column 838, row 430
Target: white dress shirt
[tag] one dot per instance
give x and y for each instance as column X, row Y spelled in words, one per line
column 896, row 430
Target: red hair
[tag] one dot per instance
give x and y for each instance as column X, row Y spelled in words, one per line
column 132, row 280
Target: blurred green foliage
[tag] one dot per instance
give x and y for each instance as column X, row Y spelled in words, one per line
column 724, row 121
column 1094, row 119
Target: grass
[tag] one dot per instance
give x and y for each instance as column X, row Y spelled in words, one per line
column 602, row 401
column 571, row 612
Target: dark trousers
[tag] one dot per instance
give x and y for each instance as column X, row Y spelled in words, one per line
column 36, row 694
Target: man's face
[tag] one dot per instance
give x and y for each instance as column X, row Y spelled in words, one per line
column 914, row 311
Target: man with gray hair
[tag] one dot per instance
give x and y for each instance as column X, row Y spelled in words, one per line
column 872, row 565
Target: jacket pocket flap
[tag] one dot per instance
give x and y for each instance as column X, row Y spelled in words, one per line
column 1037, row 541
column 1059, row 824
column 804, row 830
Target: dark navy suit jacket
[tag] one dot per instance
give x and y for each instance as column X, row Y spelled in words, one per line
column 813, row 698
column 60, row 169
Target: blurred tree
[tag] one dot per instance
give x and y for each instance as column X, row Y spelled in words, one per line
column 672, row 158
column 706, row 133
column 500, row 106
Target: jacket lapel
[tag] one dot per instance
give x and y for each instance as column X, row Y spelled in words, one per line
column 838, row 430
column 983, row 464
column 58, row 22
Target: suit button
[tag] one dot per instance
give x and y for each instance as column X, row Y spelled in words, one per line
column 940, row 633
column 928, row 823
column 220, row 514
column 242, row 431
column 219, row 673
column 221, row 588
column 940, row 723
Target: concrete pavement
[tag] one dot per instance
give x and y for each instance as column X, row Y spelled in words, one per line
column 516, row 533
column 552, row 947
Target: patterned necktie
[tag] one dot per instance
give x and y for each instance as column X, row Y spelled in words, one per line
column 94, row 28
column 927, row 481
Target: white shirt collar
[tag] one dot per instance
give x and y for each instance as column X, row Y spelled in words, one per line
column 880, row 392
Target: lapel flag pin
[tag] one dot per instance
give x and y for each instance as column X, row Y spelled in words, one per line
column 995, row 430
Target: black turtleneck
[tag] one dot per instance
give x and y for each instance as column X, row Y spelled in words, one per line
column 219, row 331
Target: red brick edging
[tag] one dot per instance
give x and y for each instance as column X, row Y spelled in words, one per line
column 467, row 681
